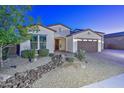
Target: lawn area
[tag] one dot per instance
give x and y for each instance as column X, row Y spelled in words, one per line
column 74, row 75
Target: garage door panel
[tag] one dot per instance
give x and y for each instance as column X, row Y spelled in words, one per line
column 88, row 46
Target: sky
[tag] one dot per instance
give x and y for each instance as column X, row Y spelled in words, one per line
column 107, row 19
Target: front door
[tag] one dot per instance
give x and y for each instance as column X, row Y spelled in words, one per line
column 56, row 44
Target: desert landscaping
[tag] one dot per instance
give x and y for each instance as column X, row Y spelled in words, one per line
column 74, row 75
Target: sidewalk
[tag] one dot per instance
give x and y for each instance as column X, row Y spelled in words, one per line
column 114, row 82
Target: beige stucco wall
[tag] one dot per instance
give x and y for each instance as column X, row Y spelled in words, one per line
column 91, row 35
column 69, row 44
column 25, row 46
column 50, row 38
column 61, row 30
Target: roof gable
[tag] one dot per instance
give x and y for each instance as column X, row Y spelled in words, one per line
column 49, row 26
column 41, row 26
column 77, row 31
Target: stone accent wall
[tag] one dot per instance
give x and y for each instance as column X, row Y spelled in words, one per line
column 27, row 78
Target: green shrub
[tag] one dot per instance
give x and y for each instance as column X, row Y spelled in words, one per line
column 51, row 54
column 28, row 53
column 69, row 59
column 24, row 53
column 43, row 52
column 80, row 55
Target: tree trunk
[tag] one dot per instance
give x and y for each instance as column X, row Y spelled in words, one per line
column 1, row 59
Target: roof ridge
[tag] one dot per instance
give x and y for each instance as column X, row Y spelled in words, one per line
column 59, row 24
column 115, row 33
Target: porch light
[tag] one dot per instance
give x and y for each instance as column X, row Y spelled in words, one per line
column 77, row 39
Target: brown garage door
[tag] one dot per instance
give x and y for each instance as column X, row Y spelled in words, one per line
column 88, row 45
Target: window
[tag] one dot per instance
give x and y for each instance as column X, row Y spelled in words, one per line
column 42, row 41
column 90, row 40
column 34, row 42
column 60, row 29
column 94, row 40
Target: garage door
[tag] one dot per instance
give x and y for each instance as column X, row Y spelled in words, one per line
column 88, row 45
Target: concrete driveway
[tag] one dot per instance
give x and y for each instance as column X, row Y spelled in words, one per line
column 113, row 56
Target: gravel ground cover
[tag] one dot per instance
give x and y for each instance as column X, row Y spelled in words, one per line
column 76, row 75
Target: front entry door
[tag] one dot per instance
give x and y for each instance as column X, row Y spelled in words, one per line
column 56, row 44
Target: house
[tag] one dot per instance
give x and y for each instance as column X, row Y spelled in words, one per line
column 59, row 37
column 114, row 40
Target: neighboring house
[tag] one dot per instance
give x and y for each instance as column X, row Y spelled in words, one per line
column 59, row 37
column 114, row 41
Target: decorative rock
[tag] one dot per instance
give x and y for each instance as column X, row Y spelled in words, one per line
column 27, row 78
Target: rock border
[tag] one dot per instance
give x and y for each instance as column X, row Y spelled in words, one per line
column 27, row 78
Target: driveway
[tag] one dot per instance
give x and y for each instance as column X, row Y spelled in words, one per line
column 115, row 57
column 112, row 56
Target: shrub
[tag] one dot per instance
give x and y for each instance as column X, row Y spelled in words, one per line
column 28, row 53
column 69, row 59
column 24, row 53
column 51, row 54
column 31, row 54
column 43, row 52
column 80, row 55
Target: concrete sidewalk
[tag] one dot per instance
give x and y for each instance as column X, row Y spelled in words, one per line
column 114, row 82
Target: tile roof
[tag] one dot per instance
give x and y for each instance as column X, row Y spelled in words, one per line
column 76, row 31
column 41, row 26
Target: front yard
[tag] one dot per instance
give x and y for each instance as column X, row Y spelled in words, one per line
column 22, row 65
column 73, row 75
column 70, row 74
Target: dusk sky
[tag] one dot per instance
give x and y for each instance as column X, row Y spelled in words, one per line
column 108, row 19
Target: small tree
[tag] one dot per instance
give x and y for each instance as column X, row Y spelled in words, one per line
column 12, row 32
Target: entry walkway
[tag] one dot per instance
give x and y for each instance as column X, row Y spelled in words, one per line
column 114, row 82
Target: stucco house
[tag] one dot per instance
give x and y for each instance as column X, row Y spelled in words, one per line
column 59, row 37
column 114, row 40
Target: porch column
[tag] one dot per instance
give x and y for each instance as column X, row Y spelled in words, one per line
column 99, row 45
column 38, row 43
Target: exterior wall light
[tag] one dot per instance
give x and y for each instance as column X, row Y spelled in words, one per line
column 99, row 41
column 77, row 39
